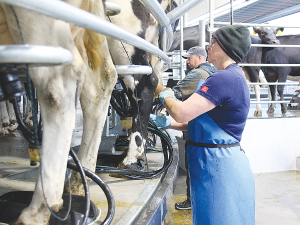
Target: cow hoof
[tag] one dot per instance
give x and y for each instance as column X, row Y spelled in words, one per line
column 133, row 167
column 271, row 110
column 258, row 113
column 12, row 128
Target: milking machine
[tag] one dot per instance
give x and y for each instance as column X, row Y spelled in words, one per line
column 119, row 101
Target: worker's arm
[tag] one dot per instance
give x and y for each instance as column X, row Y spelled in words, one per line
column 167, row 122
column 183, row 112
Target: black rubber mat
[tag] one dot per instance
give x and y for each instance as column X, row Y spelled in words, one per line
column 12, row 204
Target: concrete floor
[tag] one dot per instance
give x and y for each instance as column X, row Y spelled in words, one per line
column 277, row 199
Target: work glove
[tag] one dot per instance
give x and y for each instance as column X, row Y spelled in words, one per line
column 166, row 94
column 161, row 121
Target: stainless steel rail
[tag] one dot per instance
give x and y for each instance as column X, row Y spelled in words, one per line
column 66, row 12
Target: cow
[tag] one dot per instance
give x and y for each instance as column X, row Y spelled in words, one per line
column 284, row 55
column 265, row 36
column 140, row 89
column 91, row 77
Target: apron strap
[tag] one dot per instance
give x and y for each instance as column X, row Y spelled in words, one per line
column 189, row 142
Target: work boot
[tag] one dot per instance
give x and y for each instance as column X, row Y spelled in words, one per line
column 183, row 205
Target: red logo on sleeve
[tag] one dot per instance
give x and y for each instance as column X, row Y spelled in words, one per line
column 204, row 89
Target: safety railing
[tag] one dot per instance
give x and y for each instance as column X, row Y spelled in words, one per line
column 68, row 13
column 269, row 84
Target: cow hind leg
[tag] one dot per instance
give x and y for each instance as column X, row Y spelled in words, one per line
column 280, row 89
column 258, row 111
column 95, row 98
column 145, row 91
column 57, row 104
column 271, row 108
column 12, row 117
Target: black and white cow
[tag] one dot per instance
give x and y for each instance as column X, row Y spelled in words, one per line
column 141, row 89
column 265, row 36
column 283, row 55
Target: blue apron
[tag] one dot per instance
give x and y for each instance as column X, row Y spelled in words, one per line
column 221, row 180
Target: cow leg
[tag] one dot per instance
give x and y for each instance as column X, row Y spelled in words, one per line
column 258, row 111
column 271, row 108
column 95, row 96
column 251, row 75
column 280, row 89
column 4, row 119
column 282, row 77
column 56, row 90
column 57, row 104
column 28, row 114
column 12, row 117
column 145, row 91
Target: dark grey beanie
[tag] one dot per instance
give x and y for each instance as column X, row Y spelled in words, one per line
column 234, row 40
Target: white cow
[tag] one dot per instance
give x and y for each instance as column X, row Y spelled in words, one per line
column 91, row 76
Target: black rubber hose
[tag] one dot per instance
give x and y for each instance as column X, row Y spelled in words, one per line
column 168, row 158
column 28, row 134
column 109, row 196
column 85, row 184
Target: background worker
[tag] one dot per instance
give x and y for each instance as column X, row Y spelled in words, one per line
column 221, row 181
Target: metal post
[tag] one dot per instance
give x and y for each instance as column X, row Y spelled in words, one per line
column 182, row 75
column 164, row 42
column 211, row 15
column 202, row 33
column 231, row 12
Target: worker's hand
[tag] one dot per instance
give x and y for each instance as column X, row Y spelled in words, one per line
column 166, row 94
column 161, row 121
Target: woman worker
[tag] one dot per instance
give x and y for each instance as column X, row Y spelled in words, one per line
column 221, row 180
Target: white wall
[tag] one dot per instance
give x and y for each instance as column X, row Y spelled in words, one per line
column 272, row 144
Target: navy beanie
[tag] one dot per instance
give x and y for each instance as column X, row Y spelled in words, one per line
column 234, row 40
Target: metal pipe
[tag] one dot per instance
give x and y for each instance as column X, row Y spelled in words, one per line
column 231, row 12
column 275, row 46
column 133, row 69
column 269, row 65
column 182, row 9
column 164, row 40
column 257, row 25
column 35, row 55
column 182, row 75
column 275, row 83
column 66, row 12
column 263, row 102
column 202, row 33
column 211, row 16
column 155, row 8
